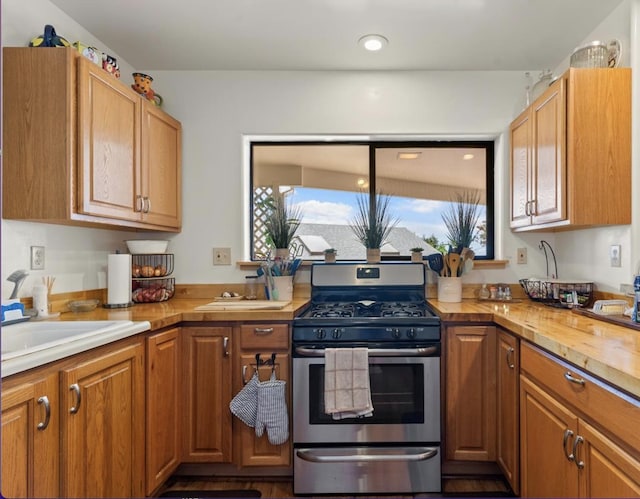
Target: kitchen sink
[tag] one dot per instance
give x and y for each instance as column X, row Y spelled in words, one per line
column 29, row 344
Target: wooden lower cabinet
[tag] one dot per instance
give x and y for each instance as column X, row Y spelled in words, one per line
column 163, row 411
column 508, row 427
column 265, row 340
column 30, row 436
column 546, row 471
column 206, row 386
column 563, row 454
column 103, row 434
column 470, row 393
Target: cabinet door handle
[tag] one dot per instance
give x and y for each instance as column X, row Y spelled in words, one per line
column 244, row 377
column 534, row 207
column 578, row 381
column 147, row 204
column 263, row 330
column 576, row 442
column 139, row 203
column 76, row 389
column 44, row 400
column 567, row 434
column 510, row 353
column 527, row 210
column 225, row 346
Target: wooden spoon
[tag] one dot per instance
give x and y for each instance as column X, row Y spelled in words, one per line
column 454, row 263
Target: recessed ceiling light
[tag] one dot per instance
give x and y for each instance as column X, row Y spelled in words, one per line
column 409, row 155
column 468, row 156
column 373, row 42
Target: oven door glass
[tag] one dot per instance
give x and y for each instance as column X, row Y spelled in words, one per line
column 397, row 394
column 405, row 393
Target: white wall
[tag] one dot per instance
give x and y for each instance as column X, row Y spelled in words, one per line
column 219, row 109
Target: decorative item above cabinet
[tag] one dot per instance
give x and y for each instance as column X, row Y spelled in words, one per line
column 82, row 148
column 571, row 153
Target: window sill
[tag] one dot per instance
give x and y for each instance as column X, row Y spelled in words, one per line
column 477, row 264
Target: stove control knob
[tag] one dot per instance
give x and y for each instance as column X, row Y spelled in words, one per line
column 320, row 333
column 411, row 333
column 336, row 333
column 396, row 333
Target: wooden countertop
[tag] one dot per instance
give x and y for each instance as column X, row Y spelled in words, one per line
column 178, row 310
column 608, row 351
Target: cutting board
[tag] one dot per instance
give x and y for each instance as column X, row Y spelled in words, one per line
column 216, row 306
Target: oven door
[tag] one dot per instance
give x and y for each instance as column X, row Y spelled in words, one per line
column 405, row 392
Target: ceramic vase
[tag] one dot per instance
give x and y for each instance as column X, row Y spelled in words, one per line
column 373, row 255
column 330, row 258
column 416, row 256
column 450, row 289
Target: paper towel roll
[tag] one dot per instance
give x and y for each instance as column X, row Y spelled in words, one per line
column 119, row 280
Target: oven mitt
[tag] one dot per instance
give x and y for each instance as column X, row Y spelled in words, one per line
column 272, row 411
column 245, row 404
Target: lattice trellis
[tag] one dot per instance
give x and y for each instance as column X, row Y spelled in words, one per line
column 260, row 213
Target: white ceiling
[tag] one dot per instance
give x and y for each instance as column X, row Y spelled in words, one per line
column 323, row 34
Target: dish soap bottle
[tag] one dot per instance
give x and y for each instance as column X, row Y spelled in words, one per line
column 635, row 315
column 484, row 293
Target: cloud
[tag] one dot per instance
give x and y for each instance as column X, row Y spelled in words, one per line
column 324, row 212
column 423, row 206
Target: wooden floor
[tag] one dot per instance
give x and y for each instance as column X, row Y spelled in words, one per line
column 283, row 488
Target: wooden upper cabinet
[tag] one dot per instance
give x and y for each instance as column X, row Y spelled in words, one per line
column 571, row 153
column 109, row 145
column 161, row 172
column 81, row 147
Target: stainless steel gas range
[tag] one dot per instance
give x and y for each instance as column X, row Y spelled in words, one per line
column 396, row 449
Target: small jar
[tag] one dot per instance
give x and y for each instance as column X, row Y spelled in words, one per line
column 251, row 286
column 484, row 294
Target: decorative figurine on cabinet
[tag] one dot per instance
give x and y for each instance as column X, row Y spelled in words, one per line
column 142, row 85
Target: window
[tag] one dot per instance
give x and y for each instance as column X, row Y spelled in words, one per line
column 324, row 179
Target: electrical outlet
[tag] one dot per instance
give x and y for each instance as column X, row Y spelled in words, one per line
column 37, row 257
column 222, row 256
column 522, row 255
column 614, row 255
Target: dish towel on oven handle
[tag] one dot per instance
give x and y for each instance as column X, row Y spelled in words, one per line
column 272, row 410
column 347, row 390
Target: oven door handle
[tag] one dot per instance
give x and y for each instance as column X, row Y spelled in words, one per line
column 377, row 352
column 419, row 454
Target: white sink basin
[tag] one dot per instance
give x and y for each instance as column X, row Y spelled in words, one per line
column 30, row 344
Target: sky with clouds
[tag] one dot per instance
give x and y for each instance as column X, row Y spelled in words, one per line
column 421, row 216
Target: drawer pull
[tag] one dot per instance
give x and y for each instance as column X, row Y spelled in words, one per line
column 47, row 413
column 75, row 388
column 576, row 442
column 567, row 434
column 578, row 381
column 263, row 330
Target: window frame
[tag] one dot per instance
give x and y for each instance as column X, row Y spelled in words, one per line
column 487, row 144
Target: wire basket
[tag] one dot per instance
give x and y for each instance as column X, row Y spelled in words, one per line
column 156, row 265
column 152, row 290
column 557, row 293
